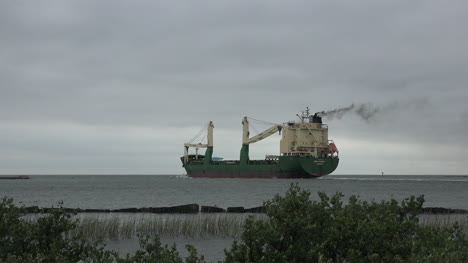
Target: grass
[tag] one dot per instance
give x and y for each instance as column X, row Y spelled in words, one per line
column 119, row 226
column 445, row 220
column 126, row 226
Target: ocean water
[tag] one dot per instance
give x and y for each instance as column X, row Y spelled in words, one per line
column 121, row 191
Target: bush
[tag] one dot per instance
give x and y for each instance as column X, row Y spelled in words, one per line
column 301, row 230
column 153, row 252
column 46, row 240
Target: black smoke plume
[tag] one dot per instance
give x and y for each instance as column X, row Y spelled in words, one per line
column 365, row 111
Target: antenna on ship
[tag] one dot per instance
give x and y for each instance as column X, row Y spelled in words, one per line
column 304, row 114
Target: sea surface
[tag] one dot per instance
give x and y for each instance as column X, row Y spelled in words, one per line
column 124, row 191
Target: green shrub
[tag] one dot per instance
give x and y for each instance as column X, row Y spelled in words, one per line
column 152, row 251
column 46, row 240
column 302, row 230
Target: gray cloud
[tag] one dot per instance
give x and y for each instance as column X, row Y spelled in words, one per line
column 158, row 65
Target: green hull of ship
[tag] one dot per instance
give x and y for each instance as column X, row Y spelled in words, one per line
column 284, row 167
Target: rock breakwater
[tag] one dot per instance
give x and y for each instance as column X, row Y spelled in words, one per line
column 195, row 208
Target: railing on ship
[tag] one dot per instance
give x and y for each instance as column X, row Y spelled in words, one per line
column 271, row 157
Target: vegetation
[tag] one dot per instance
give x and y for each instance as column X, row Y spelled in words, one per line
column 445, row 220
column 296, row 229
column 100, row 227
column 47, row 240
column 301, row 230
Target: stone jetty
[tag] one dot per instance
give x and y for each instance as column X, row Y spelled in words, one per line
column 212, row 209
column 195, row 208
column 16, row 177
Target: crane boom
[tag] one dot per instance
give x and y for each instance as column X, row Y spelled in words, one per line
column 245, row 137
column 265, row 134
column 196, row 145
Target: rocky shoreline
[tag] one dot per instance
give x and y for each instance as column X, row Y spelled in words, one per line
column 195, row 208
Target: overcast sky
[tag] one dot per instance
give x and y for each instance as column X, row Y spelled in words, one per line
column 117, row 87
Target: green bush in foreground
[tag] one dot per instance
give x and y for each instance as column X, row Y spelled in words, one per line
column 301, row 230
column 297, row 230
column 45, row 240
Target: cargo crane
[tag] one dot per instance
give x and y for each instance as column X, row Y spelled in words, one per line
column 244, row 153
column 209, row 145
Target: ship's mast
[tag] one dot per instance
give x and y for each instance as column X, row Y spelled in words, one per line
column 245, row 131
column 304, row 115
column 210, row 134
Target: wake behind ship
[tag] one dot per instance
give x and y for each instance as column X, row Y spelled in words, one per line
column 305, row 152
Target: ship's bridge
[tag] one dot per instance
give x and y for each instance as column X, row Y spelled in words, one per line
column 309, row 137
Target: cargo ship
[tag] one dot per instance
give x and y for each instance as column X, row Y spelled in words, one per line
column 305, row 152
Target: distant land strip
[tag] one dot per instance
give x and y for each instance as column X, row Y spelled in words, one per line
column 15, row 177
column 195, row 208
